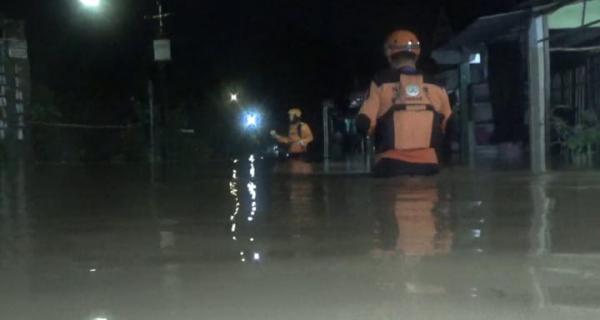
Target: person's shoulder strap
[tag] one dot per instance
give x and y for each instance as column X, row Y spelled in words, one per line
column 299, row 129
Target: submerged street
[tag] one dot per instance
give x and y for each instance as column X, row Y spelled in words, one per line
column 242, row 242
column 121, row 197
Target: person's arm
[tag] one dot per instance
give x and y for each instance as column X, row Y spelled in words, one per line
column 367, row 116
column 446, row 109
column 307, row 135
column 284, row 140
column 280, row 139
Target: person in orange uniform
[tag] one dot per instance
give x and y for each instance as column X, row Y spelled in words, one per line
column 299, row 136
column 406, row 115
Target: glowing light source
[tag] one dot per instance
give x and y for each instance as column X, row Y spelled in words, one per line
column 90, row 3
column 233, row 97
column 251, row 120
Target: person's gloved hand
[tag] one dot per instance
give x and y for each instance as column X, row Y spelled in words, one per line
column 363, row 124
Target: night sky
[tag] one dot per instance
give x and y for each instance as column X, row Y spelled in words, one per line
column 280, row 53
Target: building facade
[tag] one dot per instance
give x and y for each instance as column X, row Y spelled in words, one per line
column 15, row 87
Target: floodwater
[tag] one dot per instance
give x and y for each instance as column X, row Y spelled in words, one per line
column 236, row 241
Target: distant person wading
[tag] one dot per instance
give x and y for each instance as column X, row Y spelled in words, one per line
column 299, row 136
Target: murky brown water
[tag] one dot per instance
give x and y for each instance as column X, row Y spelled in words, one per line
column 237, row 242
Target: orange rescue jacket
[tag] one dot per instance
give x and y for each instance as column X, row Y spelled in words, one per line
column 298, row 139
column 408, row 116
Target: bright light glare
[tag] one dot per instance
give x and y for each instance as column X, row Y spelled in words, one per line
column 90, row 3
column 233, row 97
column 251, row 120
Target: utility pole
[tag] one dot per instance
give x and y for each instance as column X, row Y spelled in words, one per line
column 538, row 91
column 162, row 56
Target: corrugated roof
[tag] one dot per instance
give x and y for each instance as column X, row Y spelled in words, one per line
column 488, row 28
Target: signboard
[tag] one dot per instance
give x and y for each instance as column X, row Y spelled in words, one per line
column 17, row 49
column 162, row 50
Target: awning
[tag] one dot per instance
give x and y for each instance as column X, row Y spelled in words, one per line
column 484, row 29
column 488, row 28
column 575, row 27
column 583, row 38
column 572, row 15
column 565, row 19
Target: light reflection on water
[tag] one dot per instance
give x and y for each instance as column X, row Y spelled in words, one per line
column 245, row 203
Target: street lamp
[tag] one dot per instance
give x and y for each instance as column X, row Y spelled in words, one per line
column 92, row 4
column 251, row 120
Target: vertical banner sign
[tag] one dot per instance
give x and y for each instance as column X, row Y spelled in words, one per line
column 162, row 50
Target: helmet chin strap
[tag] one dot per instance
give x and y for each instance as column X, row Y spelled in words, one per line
column 408, row 69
